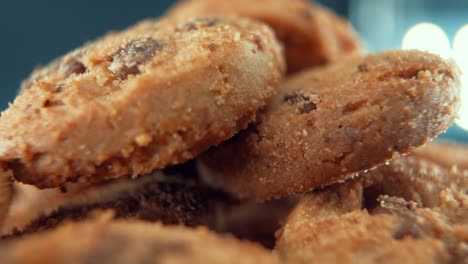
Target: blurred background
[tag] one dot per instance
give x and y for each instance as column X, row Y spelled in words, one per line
column 35, row 32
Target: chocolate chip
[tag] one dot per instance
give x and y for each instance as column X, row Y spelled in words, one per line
column 362, row 68
column 410, row 223
column 305, row 102
column 52, row 103
column 126, row 60
column 64, row 67
column 201, row 23
column 73, row 66
column 308, row 107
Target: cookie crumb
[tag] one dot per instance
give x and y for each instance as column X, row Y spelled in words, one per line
column 143, row 140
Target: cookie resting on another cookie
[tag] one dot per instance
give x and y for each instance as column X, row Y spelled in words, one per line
column 150, row 96
column 329, row 123
column 108, row 241
column 373, row 219
column 311, row 34
column 169, row 199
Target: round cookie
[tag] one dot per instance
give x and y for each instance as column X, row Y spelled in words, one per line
column 168, row 199
column 361, row 221
column 311, row 34
column 153, row 95
column 107, row 241
column 329, row 123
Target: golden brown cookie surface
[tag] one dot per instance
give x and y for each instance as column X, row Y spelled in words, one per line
column 410, row 211
column 311, row 34
column 150, row 96
column 327, row 124
column 107, row 241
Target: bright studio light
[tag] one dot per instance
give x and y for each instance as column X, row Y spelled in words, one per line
column 460, row 53
column 461, row 39
column 427, row 37
column 432, row 38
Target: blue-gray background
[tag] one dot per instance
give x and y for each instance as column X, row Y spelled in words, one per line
column 35, row 32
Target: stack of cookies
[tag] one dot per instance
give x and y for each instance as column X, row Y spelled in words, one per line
column 234, row 132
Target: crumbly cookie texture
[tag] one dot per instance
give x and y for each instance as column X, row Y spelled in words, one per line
column 448, row 154
column 108, row 241
column 311, row 34
column 6, row 193
column 409, row 211
column 150, row 96
column 169, row 199
column 327, row 124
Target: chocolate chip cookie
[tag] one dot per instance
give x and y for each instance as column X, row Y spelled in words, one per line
column 311, row 34
column 410, row 211
column 109, row 241
column 329, row 123
column 153, row 95
column 169, row 199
